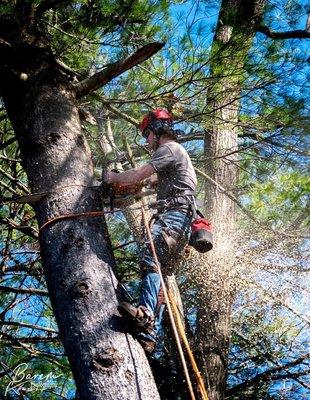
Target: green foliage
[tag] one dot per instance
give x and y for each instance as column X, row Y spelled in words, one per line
column 281, row 199
column 189, row 77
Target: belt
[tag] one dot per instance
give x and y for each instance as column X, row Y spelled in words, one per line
column 180, row 201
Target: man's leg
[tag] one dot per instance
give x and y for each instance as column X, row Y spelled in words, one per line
column 150, row 311
column 149, row 291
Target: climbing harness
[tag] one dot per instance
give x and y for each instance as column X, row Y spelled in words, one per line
column 201, row 237
column 181, row 200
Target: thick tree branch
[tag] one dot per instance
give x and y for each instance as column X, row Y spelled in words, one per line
column 46, row 5
column 113, row 70
column 14, row 180
column 31, row 339
column 27, row 230
column 31, row 326
column 297, row 34
column 8, row 143
column 37, row 292
column 271, row 374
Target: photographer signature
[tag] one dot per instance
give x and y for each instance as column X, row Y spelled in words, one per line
column 24, row 381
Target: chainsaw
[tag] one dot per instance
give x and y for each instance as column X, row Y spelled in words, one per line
column 112, row 194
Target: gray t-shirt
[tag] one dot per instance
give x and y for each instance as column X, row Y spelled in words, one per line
column 174, row 169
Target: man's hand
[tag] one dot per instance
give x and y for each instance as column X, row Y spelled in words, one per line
column 132, row 176
column 151, row 182
column 111, row 177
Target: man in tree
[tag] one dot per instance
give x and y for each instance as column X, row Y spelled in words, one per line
column 176, row 184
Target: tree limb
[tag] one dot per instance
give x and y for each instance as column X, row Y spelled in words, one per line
column 270, row 374
column 27, row 230
column 31, row 339
column 37, row 292
column 230, row 196
column 270, row 140
column 7, row 143
column 101, row 78
column 35, row 352
column 46, row 5
column 11, row 190
column 31, row 326
column 119, row 113
column 269, row 357
column 296, row 34
column 278, row 300
column 11, row 178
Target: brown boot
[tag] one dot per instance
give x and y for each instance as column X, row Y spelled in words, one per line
column 141, row 316
column 148, row 345
column 144, row 321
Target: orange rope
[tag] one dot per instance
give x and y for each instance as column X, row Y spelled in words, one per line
column 174, row 328
column 182, row 333
column 74, row 216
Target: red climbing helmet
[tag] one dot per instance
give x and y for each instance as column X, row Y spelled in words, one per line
column 157, row 120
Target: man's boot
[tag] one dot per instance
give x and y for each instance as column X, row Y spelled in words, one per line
column 144, row 322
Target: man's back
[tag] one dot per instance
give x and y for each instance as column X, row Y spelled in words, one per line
column 174, row 169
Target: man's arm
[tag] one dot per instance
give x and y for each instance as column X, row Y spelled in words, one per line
column 131, row 176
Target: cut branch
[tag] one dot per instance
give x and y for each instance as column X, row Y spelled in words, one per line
column 113, row 70
column 297, row 34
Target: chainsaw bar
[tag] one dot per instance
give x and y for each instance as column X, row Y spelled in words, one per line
column 105, row 192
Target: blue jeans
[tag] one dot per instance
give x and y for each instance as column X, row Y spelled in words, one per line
column 176, row 224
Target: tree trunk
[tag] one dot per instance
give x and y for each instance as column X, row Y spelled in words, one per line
column 234, row 35
column 78, row 262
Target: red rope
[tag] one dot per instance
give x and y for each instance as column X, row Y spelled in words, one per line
column 75, row 216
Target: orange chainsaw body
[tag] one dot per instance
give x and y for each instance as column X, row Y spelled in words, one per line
column 123, row 189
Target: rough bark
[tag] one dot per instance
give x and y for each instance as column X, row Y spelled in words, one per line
column 233, row 38
column 106, row 362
